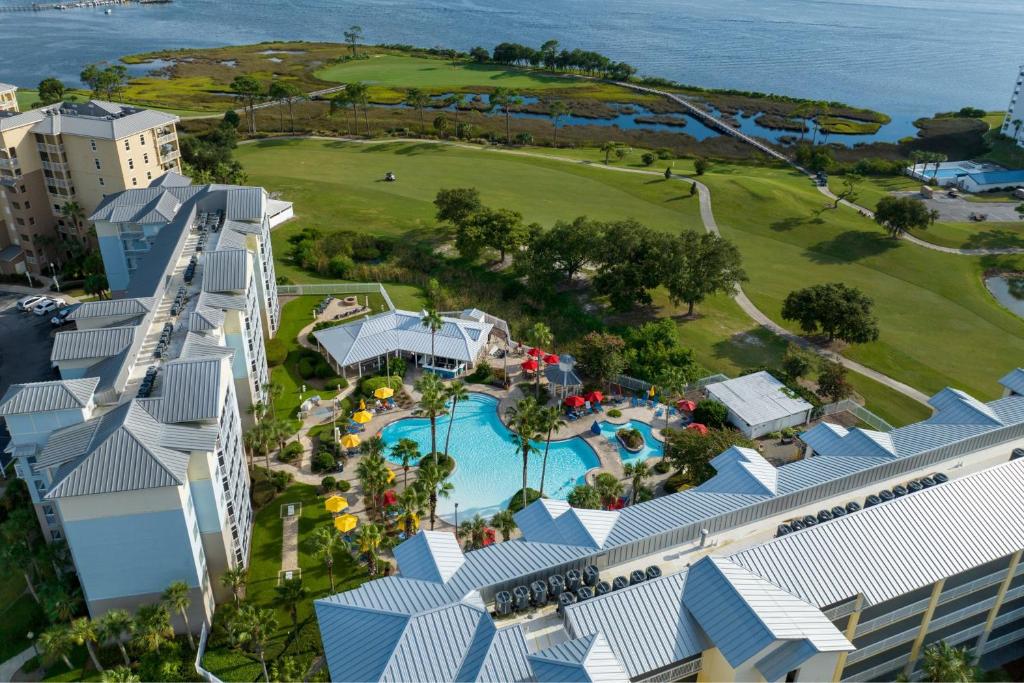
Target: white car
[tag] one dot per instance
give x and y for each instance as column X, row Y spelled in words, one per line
column 47, row 306
column 27, row 302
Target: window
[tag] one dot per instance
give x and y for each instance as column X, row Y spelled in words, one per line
column 145, row 158
column 19, row 221
column 149, row 175
column 16, row 205
column 56, row 535
column 97, row 162
column 135, row 181
column 142, row 139
column 131, row 164
column 127, row 144
column 28, row 204
column 31, row 220
column 92, row 144
column 101, row 182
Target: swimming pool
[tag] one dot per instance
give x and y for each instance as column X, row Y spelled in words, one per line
column 653, row 448
column 489, row 468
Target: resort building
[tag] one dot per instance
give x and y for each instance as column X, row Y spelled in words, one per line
column 72, row 153
column 135, row 455
column 759, row 404
column 365, row 345
column 693, row 586
column 8, row 97
column 1013, row 123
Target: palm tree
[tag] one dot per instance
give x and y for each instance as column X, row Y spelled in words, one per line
column 235, row 579
column 504, row 522
column 522, row 421
column 672, row 382
column 74, row 212
column 431, row 404
column 120, row 674
column 342, row 100
column 473, row 532
column 417, row 99
column 152, row 627
column 327, row 542
column 539, row 335
column 175, row 598
column 254, row 626
column 83, row 632
column 549, row 421
column 56, row 642
column 556, row 111
column 942, row 663
column 290, row 594
column 408, row 451
column 59, row 603
column 1017, row 123
column 357, row 94
column 413, row 500
column 506, row 99
column 453, row 101
column 274, row 391
column 608, row 487
column 608, row 148
column 434, row 479
column 116, row 625
column 372, row 472
column 637, row 471
column 455, row 391
column 430, row 319
column 369, row 538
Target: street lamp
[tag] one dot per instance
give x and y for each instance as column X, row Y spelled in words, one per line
column 53, row 272
column 32, row 639
column 456, row 518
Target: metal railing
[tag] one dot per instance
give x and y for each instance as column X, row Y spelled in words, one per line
column 200, row 651
column 859, row 411
column 634, row 384
column 337, row 288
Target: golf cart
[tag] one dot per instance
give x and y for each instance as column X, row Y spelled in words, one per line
column 389, row 177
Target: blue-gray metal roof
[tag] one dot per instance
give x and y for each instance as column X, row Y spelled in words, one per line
column 588, row 659
column 430, row 556
column 83, row 344
column 38, row 397
column 98, row 119
column 1014, row 380
column 555, row 521
column 506, row 659
column 742, row 470
column 113, row 308
column 245, row 204
column 787, row 657
column 192, row 389
column 226, row 270
column 957, row 407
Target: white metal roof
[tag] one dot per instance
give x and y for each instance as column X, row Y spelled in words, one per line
column 226, row 270
column 587, row 659
column 757, row 398
column 84, row 344
column 38, row 397
column 112, row 308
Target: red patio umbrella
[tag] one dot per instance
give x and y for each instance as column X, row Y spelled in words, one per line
column 551, row 359
column 574, row 401
column 594, row 396
column 697, row 427
column 535, row 352
column 530, row 365
column 686, row 405
column 390, row 497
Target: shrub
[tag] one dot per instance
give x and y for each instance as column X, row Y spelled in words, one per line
column 324, row 461
column 305, row 368
column 343, row 485
column 322, row 370
column 340, row 266
column 516, row 504
column 662, row 466
column 711, row 413
column 445, row 461
column 371, row 384
column 290, row 452
column 614, row 412
column 700, row 166
column 280, row 479
column 676, row 482
column 632, row 438
column 644, row 494
column 328, row 484
column 664, row 154
column 482, row 374
column 277, row 352
column 648, row 158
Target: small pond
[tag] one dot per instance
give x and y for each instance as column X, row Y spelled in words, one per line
column 1004, row 292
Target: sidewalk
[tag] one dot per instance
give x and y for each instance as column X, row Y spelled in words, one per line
column 9, row 668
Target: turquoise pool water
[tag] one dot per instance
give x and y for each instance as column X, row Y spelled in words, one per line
column 653, row 448
column 489, row 467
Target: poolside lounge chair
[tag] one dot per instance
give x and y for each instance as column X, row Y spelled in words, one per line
column 658, row 412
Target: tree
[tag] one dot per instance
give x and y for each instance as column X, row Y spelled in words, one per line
column 549, row 421
column 117, row 625
column 834, row 309
column 413, row 500
column 352, row 36
column 455, row 391
column 522, row 420
column 629, row 258
column 559, row 254
column 55, row 642
column 942, row 663
column 326, row 544
column 691, row 452
column 431, row 403
column 1020, row 211
column 83, row 632
column 601, row 356
column 608, row 148
column 539, row 336
column 621, row 151
column 796, row 362
column 285, row 93
column 408, row 452
column 152, row 627
column 176, row 598
column 290, row 594
column 253, row 626
column 654, row 347
column 360, row 95
column 248, row 91
column 51, row 90
column 899, row 215
column 432, row 321
column 504, row 521
column 1016, row 123
column 480, row 55
column 668, row 174
column 700, row 165
column 701, row 264
column 637, row 472
column 20, row 535
column 369, row 539
column 710, row 413
column 418, row 99
column 500, row 229
column 557, row 110
column 59, row 602
column 455, row 206
column 120, row 674
column 608, row 487
column 473, row 532
column 849, row 191
column 345, row 99
column 441, row 125
column 372, row 472
column 506, row 99
column 832, row 382
column 672, row 382
column 584, row 497
column 234, row 579
column 434, row 479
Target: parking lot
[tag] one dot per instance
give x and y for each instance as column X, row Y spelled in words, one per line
column 959, row 210
column 25, row 342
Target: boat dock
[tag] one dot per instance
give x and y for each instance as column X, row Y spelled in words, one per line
column 79, row 4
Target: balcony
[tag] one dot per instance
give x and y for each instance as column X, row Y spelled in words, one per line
column 50, row 149
column 11, row 163
column 166, row 138
column 168, row 157
column 55, row 166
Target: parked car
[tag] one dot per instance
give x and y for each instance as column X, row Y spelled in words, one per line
column 27, row 302
column 61, row 318
column 47, row 306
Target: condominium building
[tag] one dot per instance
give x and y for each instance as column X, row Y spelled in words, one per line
column 135, row 455
column 1013, row 123
column 8, row 97
column 72, row 153
column 695, row 586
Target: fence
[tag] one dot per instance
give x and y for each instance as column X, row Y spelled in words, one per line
column 337, row 288
column 634, row 384
column 201, row 650
column 859, row 411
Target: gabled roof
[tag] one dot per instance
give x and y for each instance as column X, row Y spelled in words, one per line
column 171, row 179
column 506, row 659
column 742, row 470
column 757, row 398
column 834, row 440
column 555, row 521
column 38, row 397
column 154, row 205
column 245, row 204
column 743, row 613
column 584, row 659
column 83, row 344
column 224, row 302
column 226, row 270
column 1014, row 381
column 957, row 407
column 205, row 318
column 200, row 346
column 113, row 308
column 788, row 657
column 119, row 451
column 430, row 556
column 191, row 389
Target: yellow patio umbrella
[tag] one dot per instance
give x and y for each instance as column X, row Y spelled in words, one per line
column 345, row 523
column 362, row 404
column 391, row 476
column 384, row 392
column 362, row 417
column 336, row 504
column 651, row 392
column 350, row 441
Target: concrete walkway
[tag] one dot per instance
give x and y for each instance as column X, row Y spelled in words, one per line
column 290, row 543
column 13, row 665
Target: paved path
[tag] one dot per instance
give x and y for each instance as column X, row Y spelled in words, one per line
column 14, row 664
column 290, row 543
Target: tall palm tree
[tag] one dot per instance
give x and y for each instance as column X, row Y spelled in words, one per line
column 116, row 625
column 372, row 472
column 1017, row 123
column 120, row 674
column 506, row 99
column 608, row 487
column 413, row 500
column 343, row 100
column 327, row 543
column 473, row 532
column 549, row 421
column 455, row 391
column 254, row 627
column 539, row 335
column 290, row 594
column 60, row 603
column 431, row 320
column 83, row 632
column 369, row 538
column 417, row 99
column 672, row 382
column 74, row 212
column 55, row 642
column 637, row 472
column 453, row 101
column 357, row 93
column 522, row 421
column 431, row 404
column 274, row 391
column 234, row 579
column 152, row 627
column 434, row 479
column 504, row 522
column 408, row 451
column 557, row 111
column 942, row 663
column 175, row 598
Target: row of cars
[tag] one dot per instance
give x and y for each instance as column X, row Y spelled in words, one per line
column 46, row 305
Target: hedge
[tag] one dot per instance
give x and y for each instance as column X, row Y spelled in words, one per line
column 516, row 504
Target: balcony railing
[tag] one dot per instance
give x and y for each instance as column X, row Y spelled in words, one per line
column 50, row 149
column 166, row 138
column 57, row 166
column 10, row 163
column 170, row 156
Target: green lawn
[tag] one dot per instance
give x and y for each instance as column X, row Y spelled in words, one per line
column 975, row 235
column 872, row 189
column 28, row 97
